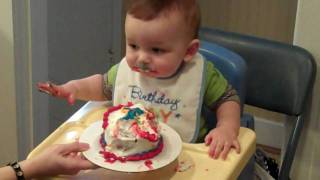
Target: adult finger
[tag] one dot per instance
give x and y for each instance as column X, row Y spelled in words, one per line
column 94, row 166
column 74, row 147
column 78, row 163
column 85, row 164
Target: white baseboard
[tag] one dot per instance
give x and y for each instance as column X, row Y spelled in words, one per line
column 269, row 133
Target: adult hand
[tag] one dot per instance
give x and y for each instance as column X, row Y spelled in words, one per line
column 57, row 159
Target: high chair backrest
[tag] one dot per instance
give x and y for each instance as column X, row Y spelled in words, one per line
column 232, row 67
column 280, row 79
column 230, row 64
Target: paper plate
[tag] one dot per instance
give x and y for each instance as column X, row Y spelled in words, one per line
column 171, row 150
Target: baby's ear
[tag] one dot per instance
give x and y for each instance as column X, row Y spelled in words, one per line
column 192, row 49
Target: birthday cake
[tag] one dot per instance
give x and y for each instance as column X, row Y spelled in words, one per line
column 130, row 133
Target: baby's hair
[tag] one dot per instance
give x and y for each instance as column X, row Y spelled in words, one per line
column 150, row 9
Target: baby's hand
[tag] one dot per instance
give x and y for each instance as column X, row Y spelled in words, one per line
column 56, row 91
column 221, row 140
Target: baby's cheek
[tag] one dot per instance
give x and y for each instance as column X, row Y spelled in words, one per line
column 130, row 61
column 166, row 72
column 169, row 69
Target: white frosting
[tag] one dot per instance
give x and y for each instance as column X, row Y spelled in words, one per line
column 122, row 139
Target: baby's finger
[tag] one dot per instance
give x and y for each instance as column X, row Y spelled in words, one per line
column 236, row 145
column 45, row 88
column 207, row 140
column 71, row 99
column 43, row 85
column 218, row 150
column 57, row 91
column 226, row 150
column 212, row 148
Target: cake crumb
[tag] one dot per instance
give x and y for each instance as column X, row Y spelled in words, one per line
column 184, row 166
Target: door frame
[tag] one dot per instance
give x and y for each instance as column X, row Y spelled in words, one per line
column 23, row 80
column 31, row 66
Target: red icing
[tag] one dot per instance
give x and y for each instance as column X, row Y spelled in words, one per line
column 110, row 110
column 144, row 134
column 148, row 163
column 111, row 157
column 106, row 115
column 151, row 117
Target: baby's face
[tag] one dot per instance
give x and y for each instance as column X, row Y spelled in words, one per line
column 157, row 47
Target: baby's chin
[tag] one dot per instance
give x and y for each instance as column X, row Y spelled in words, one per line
column 149, row 74
column 157, row 75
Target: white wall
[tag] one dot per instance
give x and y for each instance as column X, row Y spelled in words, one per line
column 8, row 131
column 307, row 35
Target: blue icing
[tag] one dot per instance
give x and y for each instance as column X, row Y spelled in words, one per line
column 133, row 113
column 103, row 140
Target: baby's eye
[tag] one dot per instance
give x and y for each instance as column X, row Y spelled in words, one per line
column 133, row 46
column 157, row 50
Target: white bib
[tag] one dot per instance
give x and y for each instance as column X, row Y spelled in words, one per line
column 176, row 101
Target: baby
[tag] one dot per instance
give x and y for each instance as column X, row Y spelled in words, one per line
column 163, row 70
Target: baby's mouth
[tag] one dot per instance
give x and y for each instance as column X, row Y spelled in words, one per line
column 143, row 68
column 137, row 69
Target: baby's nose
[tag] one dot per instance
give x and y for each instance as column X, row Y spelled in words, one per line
column 144, row 58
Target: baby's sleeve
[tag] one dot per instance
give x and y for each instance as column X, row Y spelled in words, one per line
column 215, row 85
column 109, row 81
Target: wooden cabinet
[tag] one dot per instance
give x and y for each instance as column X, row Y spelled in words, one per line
column 271, row 19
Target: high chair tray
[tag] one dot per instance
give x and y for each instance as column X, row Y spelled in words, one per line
column 193, row 162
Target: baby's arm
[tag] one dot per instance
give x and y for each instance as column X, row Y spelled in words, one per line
column 222, row 138
column 89, row 88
